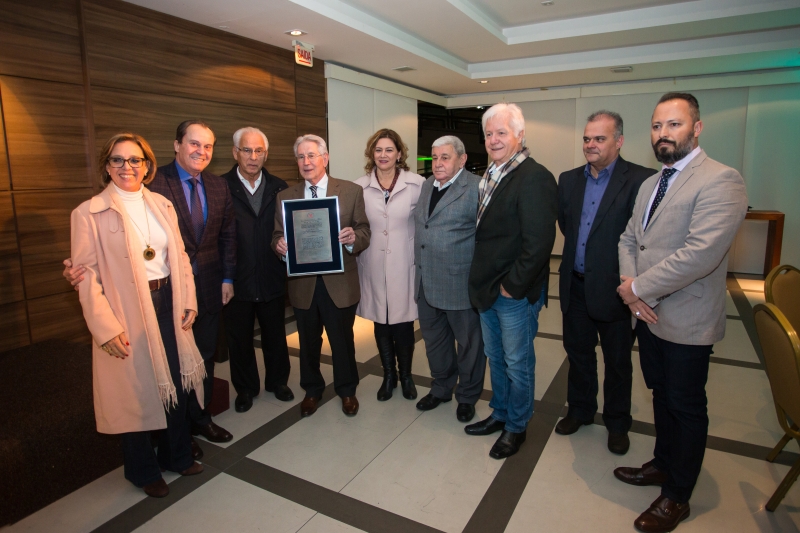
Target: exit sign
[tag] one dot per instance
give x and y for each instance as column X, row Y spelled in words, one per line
column 303, row 54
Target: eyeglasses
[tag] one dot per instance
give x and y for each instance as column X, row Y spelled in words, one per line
column 311, row 157
column 249, row 151
column 119, row 162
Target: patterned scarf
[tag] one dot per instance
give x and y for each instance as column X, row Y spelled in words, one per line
column 491, row 180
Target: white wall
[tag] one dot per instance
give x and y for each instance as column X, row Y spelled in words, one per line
column 356, row 112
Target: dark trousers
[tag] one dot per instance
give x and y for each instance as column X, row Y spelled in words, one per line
column 142, row 466
column 580, row 340
column 441, row 329
column 338, row 325
column 401, row 333
column 239, row 323
column 677, row 375
column 206, row 333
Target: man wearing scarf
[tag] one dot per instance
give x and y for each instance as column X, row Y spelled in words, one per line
column 516, row 223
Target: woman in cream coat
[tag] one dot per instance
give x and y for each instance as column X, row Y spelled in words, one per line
column 138, row 299
column 386, row 268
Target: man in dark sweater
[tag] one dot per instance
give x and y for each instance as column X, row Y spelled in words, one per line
column 260, row 285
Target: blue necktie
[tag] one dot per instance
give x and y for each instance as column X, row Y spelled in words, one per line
column 666, row 174
column 198, row 224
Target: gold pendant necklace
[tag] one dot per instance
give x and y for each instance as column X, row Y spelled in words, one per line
column 149, row 254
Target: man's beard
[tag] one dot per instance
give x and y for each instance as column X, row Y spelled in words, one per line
column 679, row 151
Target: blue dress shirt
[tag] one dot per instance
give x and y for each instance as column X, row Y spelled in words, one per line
column 187, row 191
column 595, row 188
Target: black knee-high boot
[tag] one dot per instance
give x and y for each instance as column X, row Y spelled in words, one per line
column 404, row 357
column 386, row 351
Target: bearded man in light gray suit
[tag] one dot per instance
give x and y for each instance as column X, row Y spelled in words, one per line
column 673, row 260
column 444, row 242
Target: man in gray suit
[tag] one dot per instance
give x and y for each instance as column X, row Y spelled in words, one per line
column 673, row 261
column 443, row 246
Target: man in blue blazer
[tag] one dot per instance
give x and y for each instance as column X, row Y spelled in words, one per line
column 595, row 202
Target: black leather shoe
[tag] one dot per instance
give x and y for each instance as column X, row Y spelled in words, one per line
column 507, row 445
column 465, row 412
column 212, row 432
column 662, row 516
column 568, row 426
column 646, row 475
column 243, row 402
column 197, row 451
column 282, row 392
column 429, row 401
column 485, row 427
column 618, row 443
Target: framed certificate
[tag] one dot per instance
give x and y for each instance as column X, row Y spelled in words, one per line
column 311, row 229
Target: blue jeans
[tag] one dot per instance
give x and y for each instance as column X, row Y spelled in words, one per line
column 509, row 327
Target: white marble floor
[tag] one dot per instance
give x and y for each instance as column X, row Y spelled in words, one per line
column 394, row 468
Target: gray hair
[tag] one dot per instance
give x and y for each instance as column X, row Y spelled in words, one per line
column 320, row 142
column 453, row 141
column 516, row 120
column 613, row 116
column 237, row 136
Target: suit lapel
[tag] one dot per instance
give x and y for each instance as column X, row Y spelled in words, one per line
column 238, row 191
column 269, row 194
column 215, row 201
column 459, row 188
column 578, row 193
column 680, row 181
column 615, row 184
column 502, row 185
column 176, row 187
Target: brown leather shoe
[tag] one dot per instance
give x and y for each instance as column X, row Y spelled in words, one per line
column 646, row 475
column 308, row 406
column 157, row 489
column 193, row 470
column 350, row 405
column 212, row 432
column 662, row 516
column 197, row 451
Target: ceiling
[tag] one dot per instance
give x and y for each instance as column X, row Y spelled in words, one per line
column 518, row 44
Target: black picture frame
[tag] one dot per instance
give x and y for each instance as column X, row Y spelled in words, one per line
column 297, row 268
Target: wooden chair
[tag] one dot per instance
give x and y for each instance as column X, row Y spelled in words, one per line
column 782, row 288
column 781, row 349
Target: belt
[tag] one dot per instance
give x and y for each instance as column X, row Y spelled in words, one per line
column 578, row 275
column 156, row 284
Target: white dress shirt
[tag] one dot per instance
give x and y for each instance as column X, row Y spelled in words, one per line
column 322, row 188
column 246, row 182
column 448, row 182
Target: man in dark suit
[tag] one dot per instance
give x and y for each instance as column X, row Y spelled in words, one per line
column 208, row 227
column 444, row 242
column 260, row 284
column 595, row 202
column 328, row 300
column 516, row 228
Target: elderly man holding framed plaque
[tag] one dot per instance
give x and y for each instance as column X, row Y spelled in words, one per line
column 321, row 263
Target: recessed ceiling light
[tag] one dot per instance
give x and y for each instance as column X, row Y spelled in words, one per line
column 621, row 70
column 295, row 32
column 403, row 68
column 548, row 3
column 479, row 107
column 484, row 81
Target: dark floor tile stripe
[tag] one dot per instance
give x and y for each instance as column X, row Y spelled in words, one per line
column 734, row 362
column 500, row 500
column 733, row 317
column 551, row 336
column 332, row 504
column 147, row 509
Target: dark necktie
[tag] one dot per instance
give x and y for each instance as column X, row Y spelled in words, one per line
column 313, row 191
column 198, row 224
column 666, row 174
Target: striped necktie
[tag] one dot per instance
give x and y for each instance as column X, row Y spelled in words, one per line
column 313, row 191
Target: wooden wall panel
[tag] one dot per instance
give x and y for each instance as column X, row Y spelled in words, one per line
column 40, row 39
column 315, row 125
column 46, row 129
column 15, row 326
column 5, row 179
column 44, row 238
column 157, row 53
column 156, row 117
column 10, row 273
column 310, row 87
column 58, row 317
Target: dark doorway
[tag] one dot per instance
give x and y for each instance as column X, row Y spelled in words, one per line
column 465, row 123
